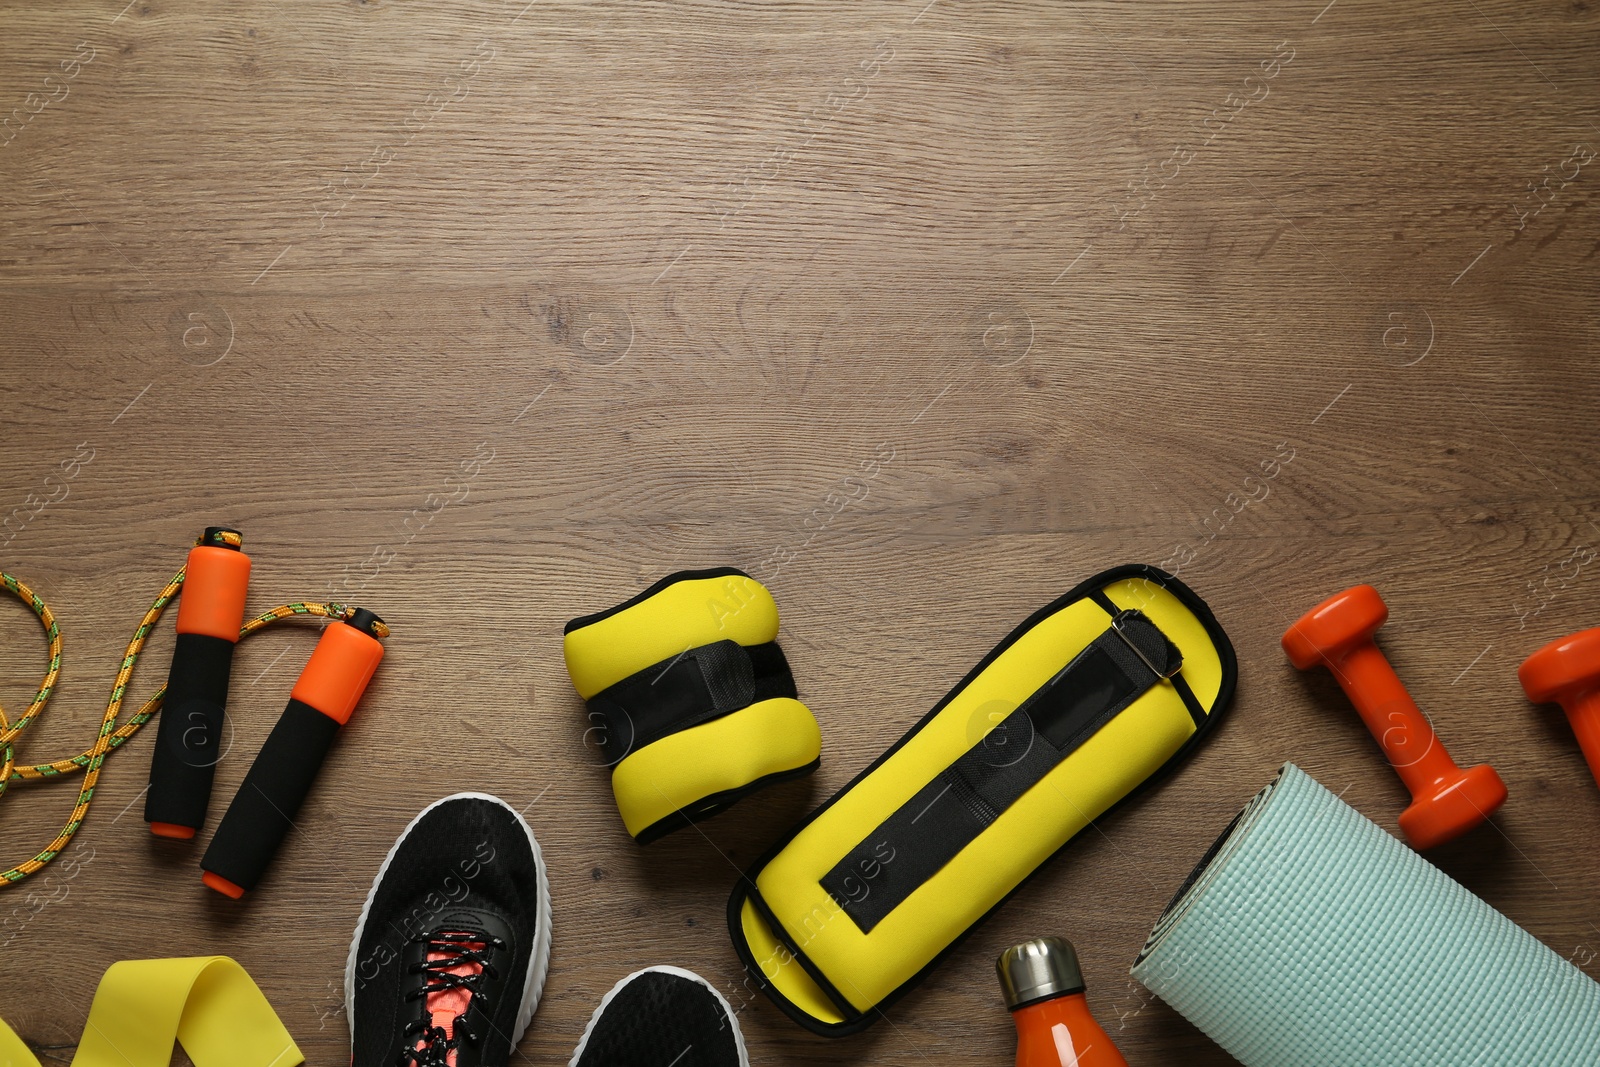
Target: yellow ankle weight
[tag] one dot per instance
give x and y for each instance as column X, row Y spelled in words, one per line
column 1093, row 696
column 691, row 698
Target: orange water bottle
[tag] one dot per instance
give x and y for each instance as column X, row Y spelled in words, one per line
column 1043, row 986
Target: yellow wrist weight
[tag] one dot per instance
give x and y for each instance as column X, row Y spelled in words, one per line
column 690, row 698
column 1093, row 696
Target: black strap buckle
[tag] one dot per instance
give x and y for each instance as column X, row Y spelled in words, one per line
column 1173, row 657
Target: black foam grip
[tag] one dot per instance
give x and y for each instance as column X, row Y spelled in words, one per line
column 263, row 811
column 189, row 731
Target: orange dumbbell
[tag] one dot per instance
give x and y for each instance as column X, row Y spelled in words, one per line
column 1446, row 801
column 1567, row 672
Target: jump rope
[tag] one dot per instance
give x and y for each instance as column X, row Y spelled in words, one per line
column 325, row 695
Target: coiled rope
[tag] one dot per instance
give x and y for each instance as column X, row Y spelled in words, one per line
column 111, row 736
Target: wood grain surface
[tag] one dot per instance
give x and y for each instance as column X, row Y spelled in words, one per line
column 486, row 315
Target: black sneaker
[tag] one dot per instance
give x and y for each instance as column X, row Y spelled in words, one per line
column 451, row 950
column 662, row 1017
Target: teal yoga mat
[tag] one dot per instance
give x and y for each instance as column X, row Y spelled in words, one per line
column 1309, row 937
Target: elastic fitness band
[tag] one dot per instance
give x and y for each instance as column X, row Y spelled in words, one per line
column 111, row 736
column 208, row 1004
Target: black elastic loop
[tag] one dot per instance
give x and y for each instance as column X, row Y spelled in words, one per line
column 916, row 841
column 694, row 687
column 1197, row 714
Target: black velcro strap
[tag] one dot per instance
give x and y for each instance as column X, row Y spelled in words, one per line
column 916, row 841
column 694, row 687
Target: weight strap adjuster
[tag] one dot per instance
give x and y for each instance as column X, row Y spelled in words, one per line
column 914, row 843
column 693, row 687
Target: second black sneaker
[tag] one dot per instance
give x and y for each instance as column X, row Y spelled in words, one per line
column 662, row 1017
column 450, row 953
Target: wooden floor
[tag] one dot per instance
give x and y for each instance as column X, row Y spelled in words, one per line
column 486, row 315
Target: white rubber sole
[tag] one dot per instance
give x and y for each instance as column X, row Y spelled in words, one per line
column 605, row 1002
column 540, row 961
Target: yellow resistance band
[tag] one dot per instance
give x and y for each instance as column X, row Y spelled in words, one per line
column 111, row 735
column 207, row 1003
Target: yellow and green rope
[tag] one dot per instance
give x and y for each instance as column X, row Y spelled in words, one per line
column 111, row 736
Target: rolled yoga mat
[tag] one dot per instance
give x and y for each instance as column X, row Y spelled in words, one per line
column 1309, row 937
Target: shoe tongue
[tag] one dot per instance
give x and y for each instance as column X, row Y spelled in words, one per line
column 447, row 1005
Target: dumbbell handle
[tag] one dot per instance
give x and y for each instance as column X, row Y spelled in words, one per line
column 1392, row 717
column 1583, row 712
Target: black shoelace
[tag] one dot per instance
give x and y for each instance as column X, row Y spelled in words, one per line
column 428, row 1045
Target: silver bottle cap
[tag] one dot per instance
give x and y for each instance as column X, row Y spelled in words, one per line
column 1038, row 970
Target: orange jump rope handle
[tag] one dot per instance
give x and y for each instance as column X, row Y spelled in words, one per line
column 189, row 733
column 263, row 811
